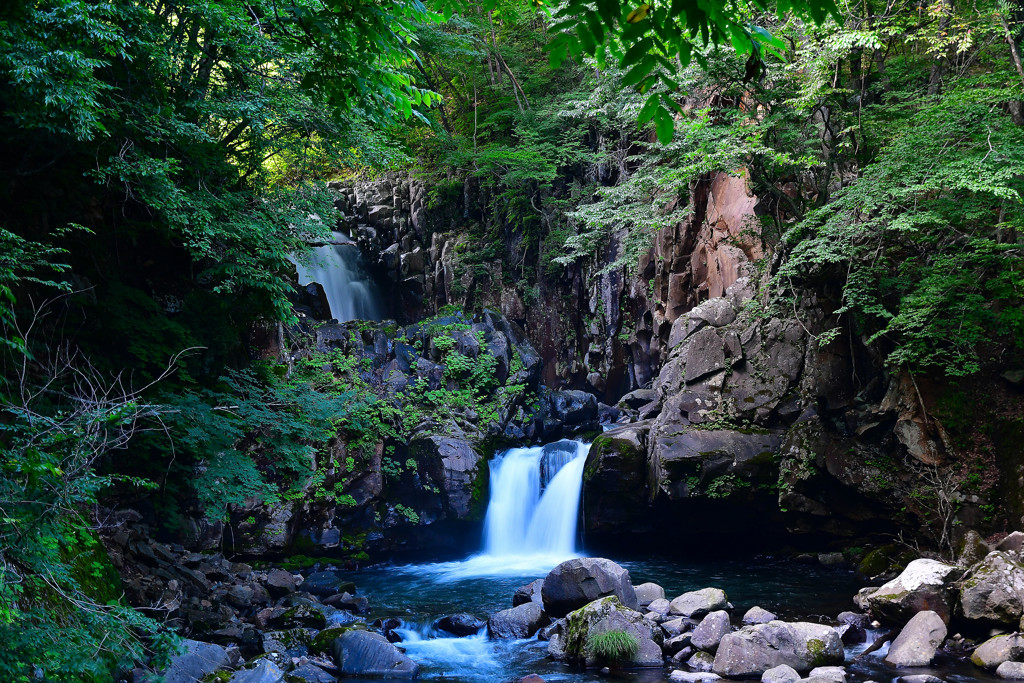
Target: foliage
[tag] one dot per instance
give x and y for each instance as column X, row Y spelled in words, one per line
column 613, row 647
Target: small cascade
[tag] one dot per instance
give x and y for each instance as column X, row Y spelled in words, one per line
column 535, row 498
column 338, row 268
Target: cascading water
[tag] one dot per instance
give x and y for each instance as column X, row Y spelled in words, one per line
column 338, row 268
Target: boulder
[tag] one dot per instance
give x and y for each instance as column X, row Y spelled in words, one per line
column 601, row 616
column 1013, row 542
column 460, row 624
column 701, row 661
column 918, row 678
column 264, row 672
column 710, row 631
column 362, row 653
column 677, row 644
column 660, row 606
column 575, row 583
column 972, row 549
column 696, row 604
column 323, row 584
column 1012, row 670
column 754, row 649
column 280, row 582
column 836, row 674
column 678, row 676
column 992, row 593
column 918, row 641
column 756, row 615
column 923, row 585
column 674, row 627
column 780, row 674
column 310, row 673
column 646, row 593
column 195, row 660
column 997, row 650
column 528, row 593
column 519, row 622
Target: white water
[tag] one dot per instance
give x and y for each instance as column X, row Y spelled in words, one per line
column 338, row 269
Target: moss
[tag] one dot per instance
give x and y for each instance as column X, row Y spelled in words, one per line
column 818, row 652
column 217, row 677
column 323, row 640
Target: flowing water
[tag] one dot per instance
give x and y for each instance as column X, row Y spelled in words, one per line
column 338, row 268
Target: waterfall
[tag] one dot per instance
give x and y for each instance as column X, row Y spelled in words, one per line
column 535, row 498
column 339, row 270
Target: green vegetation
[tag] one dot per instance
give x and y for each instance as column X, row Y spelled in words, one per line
column 613, row 647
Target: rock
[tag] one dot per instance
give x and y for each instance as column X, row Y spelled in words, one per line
column 1011, row 670
column 861, row 598
column 710, row 631
column 601, row 616
column 756, row 615
column 575, row 583
column 646, row 593
column 677, row 644
column 997, row 650
column 674, row 627
column 754, row 649
column 715, row 312
column 1013, row 542
column 280, row 582
column 923, row 585
column 699, row 603
column 852, row 634
column 310, row 673
column 362, row 653
column 264, row 672
column 780, row 674
column 918, row 678
column 704, row 353
column 519, row 622
column 528, row 593
column 701, row 661
column 195, row 660
column 352, row 603
column 461, row 467
column 530, row 678
column 854, row 619
column 993, row 591
column 660, row 606
column 918, row 641
column 639, row 398
column 323, row 584
column 692, row 677
column 972, row 549
column 836, row 674
column 460, row 624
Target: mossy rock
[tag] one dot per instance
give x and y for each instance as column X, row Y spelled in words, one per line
column 886, row 559
column 322, row 642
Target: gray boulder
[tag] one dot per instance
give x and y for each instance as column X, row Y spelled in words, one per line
column 660, row 606
column 697, row 604
column 326, row 583
column 673, row 627
column 836, row 674
column 993, row 591
column 362, row 653
column 647, row 593
column 780, row 674
column 1012, row 670
column 528, row 593
column 754, row 649
column 995, row 651
column 701, row 661
column 197, row 659
column 756, row 615
column 710, row 631
column 918, row 678
column 575, row 583
column 918, row 641
column 310, row 673
column 264, row 672
column 519, row 622
column 460, row 624
column 678, row 676
column 923, row 585
column 601, row 616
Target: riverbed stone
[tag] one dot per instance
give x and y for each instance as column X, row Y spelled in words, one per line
column 310, row 673
column 601, row 616
column 326, row 583
column 698, row 603
column 362, row 653
column 679, row 676
column 992, row 592
column 918, row 642
column 674, row 627
column 519, row 622
column 660, row 606
column 265, row 671
column 195, row 660
column 997, row 650
column 647, row 593
column 917, row 678
column 710, row 630
column 676, row 644
column 783, row 673
column 1011, row 670
column 754, row 649
column 836, row 674
column 757, row 615
column 461, row 624
column 575, row 583
column 924, row 585
column 528, row 593
column 701, row 661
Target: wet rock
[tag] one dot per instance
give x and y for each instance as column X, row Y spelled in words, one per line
column 601, row 616
column 997, row 650
column 1011, row 670
column 531, row 592
column 362, row 653
column 660, row 606
column 836, row 674
column 780, row 674
column 326, row 583
column 265, row 671
column 676, row 644
column 195, row 660
column 756, row 615
column 923, row 585
column 697, row 604
column 357, row 604
column 678, row 676
column 918, row 678
column 575, row 583
column 280, row 582
column 646, row 593
column 754, row 649
column 992, row 592
column 531, row 678
column 519, row 622
column 710, row 630
column 701, row 661
column 460, row 624
column 852, row 634
column 918, row 641
column 310, row 673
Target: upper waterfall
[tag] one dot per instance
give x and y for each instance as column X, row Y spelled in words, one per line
column 338, row 268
